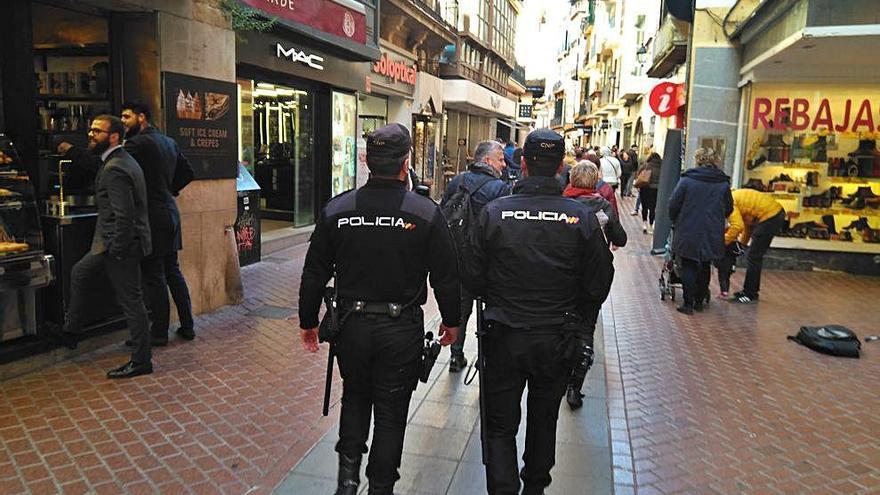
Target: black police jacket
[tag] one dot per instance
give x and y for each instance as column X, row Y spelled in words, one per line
column 538, row 255
column 382, row 242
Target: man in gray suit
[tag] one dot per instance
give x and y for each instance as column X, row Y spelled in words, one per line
column 121, row 240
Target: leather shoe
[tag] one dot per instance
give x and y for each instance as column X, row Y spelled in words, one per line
column 457, row 363
column 131, row 369
column 154, row 342
column 186, row 333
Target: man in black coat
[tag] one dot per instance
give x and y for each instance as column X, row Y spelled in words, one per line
column 158, row 156
column 484, row 181
column 121, row 240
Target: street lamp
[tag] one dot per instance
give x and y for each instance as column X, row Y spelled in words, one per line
column 641, row 53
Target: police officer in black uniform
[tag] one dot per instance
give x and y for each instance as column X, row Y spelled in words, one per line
column 540, row 263
column 381, row 242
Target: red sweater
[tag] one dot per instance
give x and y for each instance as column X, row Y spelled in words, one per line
column 605, row 191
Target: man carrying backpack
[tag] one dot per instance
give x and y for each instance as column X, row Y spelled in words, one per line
column 465, row 195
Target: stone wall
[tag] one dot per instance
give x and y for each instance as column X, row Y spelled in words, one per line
column 195, row 39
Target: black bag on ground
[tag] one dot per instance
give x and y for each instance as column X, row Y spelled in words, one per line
column 835, row 340
column 460, row 214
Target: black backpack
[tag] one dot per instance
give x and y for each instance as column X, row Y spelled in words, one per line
column 835, row 340
column 460, row 214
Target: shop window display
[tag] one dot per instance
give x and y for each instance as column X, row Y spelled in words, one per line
column 814, row 149
column 344, row 153
column 282, row 148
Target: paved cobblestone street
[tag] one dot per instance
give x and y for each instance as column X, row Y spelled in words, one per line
column 718, row 402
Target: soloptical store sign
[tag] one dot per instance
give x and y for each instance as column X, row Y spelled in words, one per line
column 344, row 19
column 396, row 70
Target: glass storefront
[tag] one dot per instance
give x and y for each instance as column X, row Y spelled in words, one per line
column 344, row 144
column 373, row 113
column 813, row 148
column 423, row 159
column 277, row 145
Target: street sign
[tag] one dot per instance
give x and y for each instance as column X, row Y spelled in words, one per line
column 665, row 98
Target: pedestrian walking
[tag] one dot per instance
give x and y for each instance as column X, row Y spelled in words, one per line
column 755, row 220
column 602, row 187
column 582, row 188
column 380, row 242
column 120, row 242
column 483, row 182
column 648, row 190
column 158, row 157
column 699, row 207
column 629, row 164
column 541, row 264
column 609, row 168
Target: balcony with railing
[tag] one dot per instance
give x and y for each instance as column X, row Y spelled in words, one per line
column 462, row 70
column 669, row 49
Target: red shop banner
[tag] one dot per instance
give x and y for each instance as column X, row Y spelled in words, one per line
column 325, row 15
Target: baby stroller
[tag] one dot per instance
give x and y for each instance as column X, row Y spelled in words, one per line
column 670, row 280
column 670, row 274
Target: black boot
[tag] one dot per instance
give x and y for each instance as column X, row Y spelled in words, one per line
column 349, row 478
column 532, row 490
column 829, row 221
column 380, row 488
column 574, row 397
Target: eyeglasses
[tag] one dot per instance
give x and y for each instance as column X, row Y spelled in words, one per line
column 95, row 130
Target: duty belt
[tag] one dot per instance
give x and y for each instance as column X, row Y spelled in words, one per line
column 375, row 308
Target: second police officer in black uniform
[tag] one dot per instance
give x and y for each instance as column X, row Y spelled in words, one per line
column 541, row 264
column 381, row 242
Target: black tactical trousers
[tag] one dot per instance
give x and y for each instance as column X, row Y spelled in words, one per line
column 379, row 361
column 514, row 358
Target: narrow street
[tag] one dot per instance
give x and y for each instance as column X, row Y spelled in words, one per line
column 719, row 402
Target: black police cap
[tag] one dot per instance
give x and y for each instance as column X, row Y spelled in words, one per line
column 391, row 141
column 544, row 145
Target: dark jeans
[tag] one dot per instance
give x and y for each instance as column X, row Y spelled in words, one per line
column 379, row 362
column 762, row 236
column 156, row 295
column 695, row 281
column 624, row 182
column 514, row 358
column 467, row 307
column 725, row 269
column 179, row 290
column 125, row 277
column 648, row 197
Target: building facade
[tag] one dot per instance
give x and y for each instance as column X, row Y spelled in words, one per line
column 477, row 95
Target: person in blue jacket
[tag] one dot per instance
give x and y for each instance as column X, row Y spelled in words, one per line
column 699, row 207
column 484, row 180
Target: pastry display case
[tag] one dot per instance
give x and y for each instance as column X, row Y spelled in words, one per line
column 23, row 265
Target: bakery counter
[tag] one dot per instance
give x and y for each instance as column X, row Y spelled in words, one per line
column 68, row 238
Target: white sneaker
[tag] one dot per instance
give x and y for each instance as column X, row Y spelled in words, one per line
column 634, row 212
column 650, row 229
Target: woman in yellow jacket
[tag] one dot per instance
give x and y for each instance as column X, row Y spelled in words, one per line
column 757, row 217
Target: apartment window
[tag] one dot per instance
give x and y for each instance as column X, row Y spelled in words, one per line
column 612, row 15
column 481, row 30
column 638, row 68
column 503, row 28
